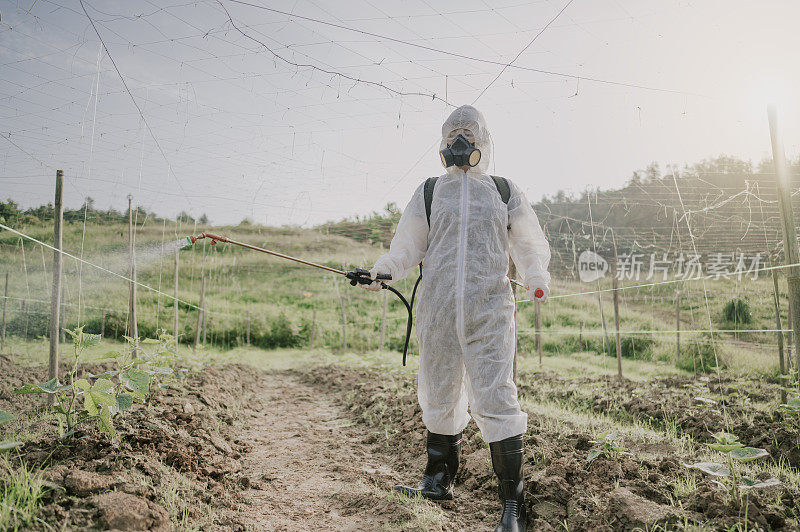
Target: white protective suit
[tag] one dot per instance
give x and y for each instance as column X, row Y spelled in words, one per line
column 465, row 313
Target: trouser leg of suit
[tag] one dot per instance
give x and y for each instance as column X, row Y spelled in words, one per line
column 480, row 377
column 441, row 387
column 489, row 363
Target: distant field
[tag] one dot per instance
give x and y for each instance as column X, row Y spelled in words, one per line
column 288, row 303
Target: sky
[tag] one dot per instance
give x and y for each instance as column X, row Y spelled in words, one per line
column 298, row 112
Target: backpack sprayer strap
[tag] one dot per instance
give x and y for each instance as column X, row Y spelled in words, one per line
column 501, row 183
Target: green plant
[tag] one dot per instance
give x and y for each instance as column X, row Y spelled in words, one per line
column 5, row 417
column 736, row 453
column 635, row 347
column 737, row 311
column 791, row 411
column 699, row 356
column 607, row 445
column 156, row 364
column 93, row 397
column 21, row 492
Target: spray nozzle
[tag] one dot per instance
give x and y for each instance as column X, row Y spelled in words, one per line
column 214, row 238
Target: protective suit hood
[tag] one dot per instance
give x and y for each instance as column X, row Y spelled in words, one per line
column 467, row 117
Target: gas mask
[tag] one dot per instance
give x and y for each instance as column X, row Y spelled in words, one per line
column 461, row 152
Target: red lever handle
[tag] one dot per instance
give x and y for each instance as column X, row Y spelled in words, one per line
column 538, row 292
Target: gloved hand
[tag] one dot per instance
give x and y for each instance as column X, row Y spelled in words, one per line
column 375, row 286
column 532, row 292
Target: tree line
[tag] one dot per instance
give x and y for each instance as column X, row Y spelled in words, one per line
column 12, row 215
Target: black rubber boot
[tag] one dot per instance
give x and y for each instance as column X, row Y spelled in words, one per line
column 507, row 458
column 440, row 473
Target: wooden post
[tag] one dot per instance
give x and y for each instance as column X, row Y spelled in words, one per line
column 776, row 299
column 202, row 293
column 313, row 325
column 616, row 325
column 383, row 320
column 677, row 325
column 55, row 291
column 599, row 292
column 616, row 306
column 62, row 327
column 133, row 327
column 201, row 309
column 175, row 301
column 5, row 303
column 25, row 318
column 789, row 338
column 103, row 324
column 580, row 339
column 344, row 323
column 248, row 327
column 787, row 221
column 606, row 342
column 537, row 306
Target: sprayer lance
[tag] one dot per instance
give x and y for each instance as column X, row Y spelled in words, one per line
column 357, row 276
column 219, row 238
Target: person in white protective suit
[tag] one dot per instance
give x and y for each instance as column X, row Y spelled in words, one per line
column 465, row 314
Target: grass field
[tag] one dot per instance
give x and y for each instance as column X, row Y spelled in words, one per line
column 288, row 303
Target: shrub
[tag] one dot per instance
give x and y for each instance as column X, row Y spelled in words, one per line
column 737, row 311
column 31, row 324
column 638, row 347
column 698, row 356
column 282, row 334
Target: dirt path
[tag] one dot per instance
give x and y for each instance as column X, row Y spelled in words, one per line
column 311, row 468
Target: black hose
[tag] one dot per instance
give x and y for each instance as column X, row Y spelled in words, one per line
column 410, row 308
column 410, row 317
column 414, row 292
column 360, row 276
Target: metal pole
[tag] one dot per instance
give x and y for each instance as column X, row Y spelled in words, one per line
column 5, row 303
column 55, row 291
column 616, row 324
column 677, row 325
column 103, row 323
column 248, row 327
column 132, row 321
column 580, row 339
column 787, row 221
column 776, row 298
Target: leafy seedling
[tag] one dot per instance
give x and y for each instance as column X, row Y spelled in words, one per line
column 5, row 417
column 791, row 409
column 730, row 475
column 91, row 397
column 607, row 446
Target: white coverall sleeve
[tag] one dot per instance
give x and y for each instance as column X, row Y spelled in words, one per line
column 529, row 248
column 410, row 241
